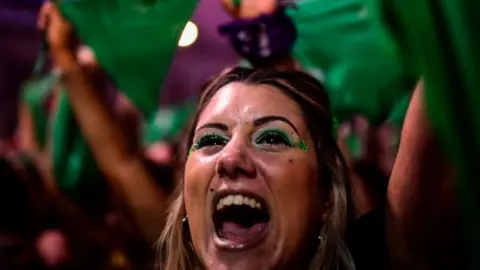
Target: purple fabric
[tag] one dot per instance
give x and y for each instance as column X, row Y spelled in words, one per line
column 265, row 37
column 210, row 54
column 17, row 55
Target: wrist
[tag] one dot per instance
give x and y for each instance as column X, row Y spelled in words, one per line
column 64, row 59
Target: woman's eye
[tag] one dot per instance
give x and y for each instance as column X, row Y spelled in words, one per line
column 211, row 140
column 273, row 138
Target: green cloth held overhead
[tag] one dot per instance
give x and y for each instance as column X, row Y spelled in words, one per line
column 362, row 67
column 75, row 170
column 34, row 96
column 133, row 40
column 70, row 153
column 442, row 41
column 35, row 93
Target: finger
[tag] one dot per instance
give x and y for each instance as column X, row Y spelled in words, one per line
column 86, row 57
column 43, row 14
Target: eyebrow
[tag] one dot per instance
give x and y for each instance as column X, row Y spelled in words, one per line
column 271, row 118
column 257, row 122
column 214, row 125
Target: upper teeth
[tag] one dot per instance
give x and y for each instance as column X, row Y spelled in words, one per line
column 238, row 200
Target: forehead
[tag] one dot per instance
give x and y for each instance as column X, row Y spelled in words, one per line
column 239, row 102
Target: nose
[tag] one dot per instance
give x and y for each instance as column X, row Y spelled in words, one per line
column 234, row 162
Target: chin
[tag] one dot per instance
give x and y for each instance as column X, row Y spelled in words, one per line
column 258, row 258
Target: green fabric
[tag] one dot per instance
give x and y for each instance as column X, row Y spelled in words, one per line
column 70, row 153
column 133, row 40
column 340, row 39
column 354, row 145
column 237, row 3
column 168, row 122
column 441, row 40
column 75, row 170
column 34, row 94
column 399, row 110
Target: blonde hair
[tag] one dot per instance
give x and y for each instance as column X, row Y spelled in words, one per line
column 175, row 247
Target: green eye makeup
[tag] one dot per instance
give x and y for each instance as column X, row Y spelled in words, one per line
column 208, row 140
column 274, row 136
column 279, row 137
column 265, row 138
column 302, row 145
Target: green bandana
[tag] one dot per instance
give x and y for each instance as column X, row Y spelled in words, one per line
column 133, row 40
column 339, row 39
column 34, row 95
column 75, row 170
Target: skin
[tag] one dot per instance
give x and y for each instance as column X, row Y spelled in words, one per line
column 121, row 163
column 286, row 177
column 250, row 9
column 422, row 216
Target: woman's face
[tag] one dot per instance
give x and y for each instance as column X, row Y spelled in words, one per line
column 252, row 194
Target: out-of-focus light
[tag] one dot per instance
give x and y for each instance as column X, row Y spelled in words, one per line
column 189, row 35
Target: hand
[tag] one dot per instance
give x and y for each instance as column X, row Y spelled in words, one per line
column 250, row 9
column 58, row 34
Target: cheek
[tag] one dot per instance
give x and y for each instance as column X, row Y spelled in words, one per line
column 294, row 175
column 197, row 179
column 198, row 175
column 296, row 192
column 195, row 182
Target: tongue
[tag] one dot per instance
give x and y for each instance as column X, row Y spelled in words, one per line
column 237, row 233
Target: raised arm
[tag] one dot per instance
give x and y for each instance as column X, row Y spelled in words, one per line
column 26, row 131
column 422, row 215
column 122, row 166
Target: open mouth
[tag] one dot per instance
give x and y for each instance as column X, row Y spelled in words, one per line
column 240, row 220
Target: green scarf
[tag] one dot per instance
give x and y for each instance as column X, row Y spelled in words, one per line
column 74, row 167
column 340, row 39
column 34, row 95
column 134, row 41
